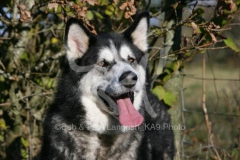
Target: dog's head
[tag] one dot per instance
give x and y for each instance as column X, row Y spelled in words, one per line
column 112, row 68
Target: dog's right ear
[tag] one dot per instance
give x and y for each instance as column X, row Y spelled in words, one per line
column 137, row 33
column 76, row 39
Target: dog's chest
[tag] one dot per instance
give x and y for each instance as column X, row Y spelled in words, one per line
column 95, row 147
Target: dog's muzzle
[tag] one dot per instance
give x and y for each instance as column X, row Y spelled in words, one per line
column 122, row 107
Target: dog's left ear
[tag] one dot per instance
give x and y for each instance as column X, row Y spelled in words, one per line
column 138, row 31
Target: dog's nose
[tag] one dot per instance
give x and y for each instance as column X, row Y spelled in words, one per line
column 128, row 79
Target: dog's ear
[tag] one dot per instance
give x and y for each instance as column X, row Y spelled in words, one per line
column 138, row 31
column 77, row 39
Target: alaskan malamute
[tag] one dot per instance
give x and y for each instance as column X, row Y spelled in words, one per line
column 103, row 107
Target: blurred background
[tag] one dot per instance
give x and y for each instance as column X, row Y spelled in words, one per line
column 194, row 63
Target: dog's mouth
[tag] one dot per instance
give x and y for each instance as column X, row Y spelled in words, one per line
column 122, row 106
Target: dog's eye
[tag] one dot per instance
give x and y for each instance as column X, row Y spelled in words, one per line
column 131, row 59
column 102, row 63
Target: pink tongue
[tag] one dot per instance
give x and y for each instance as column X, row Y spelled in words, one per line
column 128, row 115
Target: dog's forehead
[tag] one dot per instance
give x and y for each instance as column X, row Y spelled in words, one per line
column 115, row 50
column 108, row 52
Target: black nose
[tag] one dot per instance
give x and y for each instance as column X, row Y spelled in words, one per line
column 128, row 79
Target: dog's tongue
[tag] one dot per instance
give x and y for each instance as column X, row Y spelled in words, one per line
column 128, row 115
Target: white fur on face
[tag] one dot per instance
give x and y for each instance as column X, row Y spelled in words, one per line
column 77, row 42
column 106, row 54
column 126, row 52
column 139, row 35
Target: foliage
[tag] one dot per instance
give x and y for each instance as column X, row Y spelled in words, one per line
column 32, row 53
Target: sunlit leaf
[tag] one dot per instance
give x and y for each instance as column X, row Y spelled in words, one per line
column 168, row 69
column 71, row 14
column 24, row 153
column 24, row 142
column 176, row 65
column 67, row 8
column 166, row 78
column 2, row 79
column 59, row 8
column 50, row 83
column 159, row 92
column 103, row 2
column 169, row 99
column 98, row 15
column 232, row 44
column 90, row 15
column 188, row 53
column 109, row 10
column 202, row 51
column 199, row 30
column 2, row 124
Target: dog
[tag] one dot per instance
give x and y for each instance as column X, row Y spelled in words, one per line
column 103, row 107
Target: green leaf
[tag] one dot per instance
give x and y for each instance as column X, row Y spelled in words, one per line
column 199, row 30
column 2, row 124
column 109, row 10
column 2, row 79
column 71, row 14
column 202, row 51
column 103, row 2
column 168, row 69
column 232, row 44
column 59, row 9
column 24, row 154
column 98, row 15
column 166, row 78
column 67, row 8
column 50, row 83
column 169, row 99
column 24, row 142
column 90, row 15
column 176, row 65
column 1, row 138
column 24, row 56
column 234, row 152
column 188, row 53
column 159, row 92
